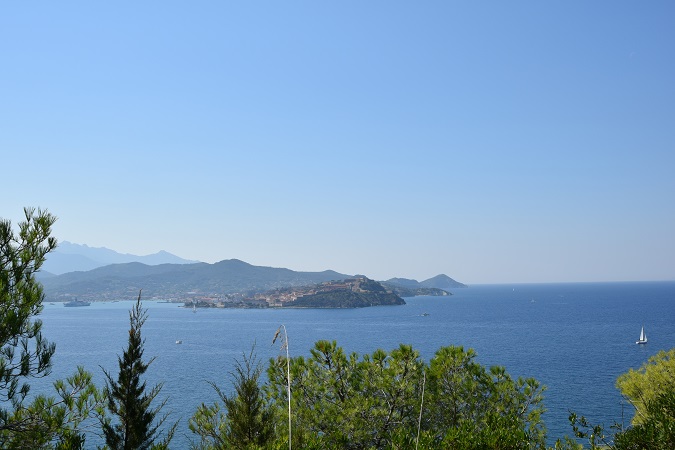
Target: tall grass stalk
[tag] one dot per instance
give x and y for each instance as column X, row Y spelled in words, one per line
column 419, row 421
column 288, row 375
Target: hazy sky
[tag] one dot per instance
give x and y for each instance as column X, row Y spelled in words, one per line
column 519, row 141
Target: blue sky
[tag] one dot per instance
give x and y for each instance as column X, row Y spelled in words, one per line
column 491, row 141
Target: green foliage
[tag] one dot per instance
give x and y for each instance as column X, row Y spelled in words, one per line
column 343, row 401
column 47, row 421
column 644, row 385
column 651, row 389
column 55, row 422
column 583, row 429
column 127, row 400
column 243, row 421
column 209, row 422
column 23, row 351
column 657, row 430
column 474, row 407
column 567, row 443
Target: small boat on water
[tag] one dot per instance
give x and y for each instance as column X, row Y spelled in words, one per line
column 179, row 341
column 643, row 337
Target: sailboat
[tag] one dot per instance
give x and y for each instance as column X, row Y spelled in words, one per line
column 643, row 337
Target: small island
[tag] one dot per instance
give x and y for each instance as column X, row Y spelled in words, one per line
column 403, row 291
column 356, row 292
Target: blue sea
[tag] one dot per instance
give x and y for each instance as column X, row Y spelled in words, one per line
column 575, row 338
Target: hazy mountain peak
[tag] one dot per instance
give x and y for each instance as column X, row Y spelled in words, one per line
column 71, row 257
column 442, row 281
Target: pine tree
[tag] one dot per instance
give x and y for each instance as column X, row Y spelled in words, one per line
column 244, row 420
column 46, row 421
column 24, row 352
column 128, row 401
column 250, row 419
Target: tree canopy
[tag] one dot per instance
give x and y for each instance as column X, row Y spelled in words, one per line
column 377, row 401
column 24, row 352
column 243, row 419
column 46, row 421
column 134, row 426
column 643, row 386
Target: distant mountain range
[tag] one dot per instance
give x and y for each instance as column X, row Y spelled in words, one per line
column 177, row 281
column 115, row 276
column 69, row 257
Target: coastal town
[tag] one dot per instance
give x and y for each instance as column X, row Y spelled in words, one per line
column 284, row 297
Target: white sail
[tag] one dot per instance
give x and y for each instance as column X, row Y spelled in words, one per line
column 643, row 337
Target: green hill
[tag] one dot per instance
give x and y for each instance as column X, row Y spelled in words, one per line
column 353, row 293
column 120, row 281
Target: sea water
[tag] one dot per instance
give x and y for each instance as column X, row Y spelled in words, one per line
column 574, row 338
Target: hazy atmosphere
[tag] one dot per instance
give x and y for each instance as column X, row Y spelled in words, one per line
column 493, row 142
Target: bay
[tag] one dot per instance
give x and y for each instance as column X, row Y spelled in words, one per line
column 575, row 338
